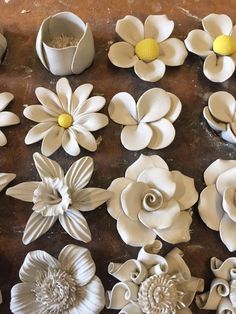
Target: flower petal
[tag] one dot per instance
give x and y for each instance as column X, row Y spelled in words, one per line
column 150, row 72
column 49, row 100
column 215, row 125
column 228, row 232
column 163, row 134
column 131, row 308
column 218, row 69
column 91, row 105
column 217, row 24
column 130, row 29
column 131, row 270
column 80, row 95
column 210, row 207
column 219, row 166
column 228, row 135
column 136, row 137
column 222, row 106
column 3, row 139
column 122, row 55
column 86, row 139
column 23, row 191
column 47, row 167
column 5, row 99
column 133, row 232
column 229, row 203
column 38, row 114
column 52, row 140
column 173, row 52
column 38, row 132
column 74, row 223
column 5, row 179
column 158, row 27
column 69, row 142
column 8, row 118
column 92, row 121
column 199, row 42
column 64, row 93
column 226, row 180
column 36, row 226
column 175, row 108
column 77, row 261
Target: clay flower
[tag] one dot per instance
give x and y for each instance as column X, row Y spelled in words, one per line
column 7, row 118
column 65, row 44
column 220, row 114
column 65, row 119
column 222, row 295
column 153, row 283
column 216, row 44
column 217, row 204
column 147, row 47
column 151, row 200
column 147, row 123
column 3, row 45
column 59, row 196
column 5, row 179
column 67, row 285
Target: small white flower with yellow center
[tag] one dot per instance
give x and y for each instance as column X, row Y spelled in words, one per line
column 216, row 44
column 146, row 47
column 65, row 119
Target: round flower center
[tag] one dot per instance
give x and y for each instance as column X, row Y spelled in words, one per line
column 159, row 294
column 224, row 45
column 147, row 49
column 152, row 200
column 65, row 120
column 55, row 290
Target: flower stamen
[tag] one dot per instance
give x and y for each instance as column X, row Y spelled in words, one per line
column 65, row 120
column 147, row 49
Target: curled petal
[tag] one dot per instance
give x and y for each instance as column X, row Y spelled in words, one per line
column 223, row 269
column 23, row 191
column 176, row 264
column 222, row 106
column 175, row 108
column 215, row 125
column 47, row 167
column 136, row 137
column 228, row 232
column 190, row 288
column 163, row 134
column 173, row 52
column 130, row 29
column 131, row 308
column 122, row 55
column 158, row 27
column 217, row 24
column 226, row 306
column 199, row 42
column 121, row 294
column 150, row 72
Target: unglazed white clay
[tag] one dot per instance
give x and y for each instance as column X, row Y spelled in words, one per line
column 67, row 285
column 59, row 197
column 132, row 30
column 3, row 45
column 153, row 283
column 68, row 60
column 147, row 123
column 151, row 200
column 82, row 110
column 5, row 179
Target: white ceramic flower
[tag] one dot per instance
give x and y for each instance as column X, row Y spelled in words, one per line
column 151, row 200
column 65, row 119
column 220, row 114
column 146, row 47
column 217, row 203
column 67, row 285
column 147, row 123
column 59, row 196
column 5, row 179
column 3, row 45
column 153, row 283
column 216, row 44
column 222, row 295
column 7, row 118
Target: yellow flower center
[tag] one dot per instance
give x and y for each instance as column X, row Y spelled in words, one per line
column 224, row 45
column 147, row 49
column 65, row 120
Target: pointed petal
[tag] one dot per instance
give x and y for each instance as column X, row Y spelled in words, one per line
column 173, row 52
column 136, row 137
column 158, row 27
column 92, row 121
column 23, row 191
column 69, row 142
column 36, row 113
column 64, row 93
column 163, row 134
column 219, row 166
column 5, row 179
column 150, row 72
column 130, row 29
column 228, row 232
column 80, row 95
column 122, row 55
column 3, row 139
column 222, row 106
column 5, row 99
column 215, row 125
column 8, row 118
column 91, row 105
column 228, row 135
column 49, row 100
column 52, row 140
column 86, row 139
column 226, row 180
column 38, row 132
column 217, row 24
column 47, row 167
column 175, row 108
column 199, row 42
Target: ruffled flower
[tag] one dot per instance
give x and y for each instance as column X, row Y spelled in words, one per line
column 153, row 284
column 7, row 118
column 217, row 203
column 65, row 119
column 147, row 47
column 151, row 200
column 67, row 285
column 147, row 123
column 59, row 196
column 216, row 44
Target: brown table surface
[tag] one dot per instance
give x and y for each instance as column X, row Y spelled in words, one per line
column 193, row 149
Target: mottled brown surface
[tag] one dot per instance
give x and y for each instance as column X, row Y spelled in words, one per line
column 193, row 149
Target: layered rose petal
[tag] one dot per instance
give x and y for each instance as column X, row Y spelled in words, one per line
column 219, row 166
column 199, row 42
column 122, row 55
column 150, row 72
column 130, row 29
column 228, row 232
column 173, row 52
column 229, row 203
column 226, row 180
column 158, row 27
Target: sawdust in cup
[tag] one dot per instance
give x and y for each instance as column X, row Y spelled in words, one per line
column 63, row 41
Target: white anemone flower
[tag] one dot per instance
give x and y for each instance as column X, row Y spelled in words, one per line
column 65, row 119
column 147, row 47
column 67, row 285
column 59, row 197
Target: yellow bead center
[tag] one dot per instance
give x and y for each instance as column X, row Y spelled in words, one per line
column 224, row 45
column 147, row 49
column 65, row 120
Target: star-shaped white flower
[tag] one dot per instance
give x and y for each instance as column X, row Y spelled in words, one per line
column 65, row 119
column 7, row 118
column 59, row 196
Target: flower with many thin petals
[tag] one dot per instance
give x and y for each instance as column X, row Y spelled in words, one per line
column 153, row 284
column 7, row 118
column 216, row 44
column 67, row 285
column 147, row 123
column 147, row 47
column 59, row 196
column 217, row 203
column 65, row 119
column 151, row 200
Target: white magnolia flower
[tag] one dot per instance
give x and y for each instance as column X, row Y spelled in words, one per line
column 67, row 285
column 147, row 123
column 217, row 204
column 59, row 196
column 220, row 114
column 7, row 118
column 216, row 44
column 151, row 200
column 153, row 284
column 146, row 47
column 222, row 295
column 65, row 119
